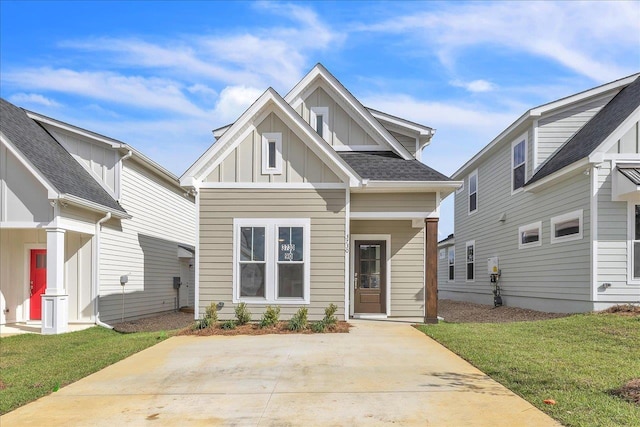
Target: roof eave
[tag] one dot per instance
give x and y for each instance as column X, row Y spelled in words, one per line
column 565, row 172
column 373, row 186
column 96, row 207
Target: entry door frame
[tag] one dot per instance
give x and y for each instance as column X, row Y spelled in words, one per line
column 352, row 260
column 26, row 295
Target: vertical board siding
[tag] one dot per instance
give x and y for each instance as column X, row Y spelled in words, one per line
column 299, row 163
column 326, row 210
column 145, row 247
column 407, row 263
column 393, row 202
column 560, row 270
column 556, row 129
column 78, row 275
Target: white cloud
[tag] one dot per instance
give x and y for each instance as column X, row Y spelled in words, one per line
column 475, row 85
column 233, row 101
column 588, row 38
column 33, row 98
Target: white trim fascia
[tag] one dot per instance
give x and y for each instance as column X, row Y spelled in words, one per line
column 347, row 254
column 113, row 143
column 360, row 148
column 393, row 215
column 399, row 122
column 593, row 225
column 515, row 142
column 70, row 224
column 630, row 237
column 270, row 96
column 26, row 289
column 438, row 202
column 277, row 185
column 534, row 148
column 196, row 310
column 542, row 109
column 52, row 192
column 531, row 226
column 22, row 224
column 387, row 239
column 320, row 71
column 550, row 179
column 78, row 201
column 217, row 133
column 579, row 214
column 447, row 187
column 613, row 138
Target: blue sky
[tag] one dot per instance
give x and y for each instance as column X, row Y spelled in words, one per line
column 161, row 75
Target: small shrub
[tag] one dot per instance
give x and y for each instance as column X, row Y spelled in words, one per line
column 270, row 317
column 319, row 327
column 228, row 324
column 299, row 320
column 330, row 319
column 203, row 323
column 243, row 315
column 212, row 314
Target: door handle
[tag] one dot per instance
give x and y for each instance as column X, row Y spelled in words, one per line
column 355, row 281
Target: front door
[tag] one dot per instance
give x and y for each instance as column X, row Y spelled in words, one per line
column 37, row 281
column 370, row 276
column 184, row 279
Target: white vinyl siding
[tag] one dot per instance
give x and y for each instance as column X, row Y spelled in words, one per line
column 144, row 247
column 393, row 202
column 407, row 263
column 324, row 208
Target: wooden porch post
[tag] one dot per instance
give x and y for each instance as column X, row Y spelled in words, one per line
column 431, row 271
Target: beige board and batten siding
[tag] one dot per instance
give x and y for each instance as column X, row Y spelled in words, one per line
column 344, row 130
column 299, row 163
column 408, row 142
column 555, row 129
column 531, row 277
column 407, row 263
column 326, row 210
column 393, row 202
column 145, row 247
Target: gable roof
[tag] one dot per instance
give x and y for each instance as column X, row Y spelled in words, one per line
column 228, row 141
column 319, row 71
column 388, row 166
column 51, row 160
column 594, row 132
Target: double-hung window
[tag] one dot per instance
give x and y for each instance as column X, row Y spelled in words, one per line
column 473, row 191
column 518, row 163
column 271, row 261
column 471, row 260
column 451, row 262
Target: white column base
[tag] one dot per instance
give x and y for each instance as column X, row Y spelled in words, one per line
column 55, row 314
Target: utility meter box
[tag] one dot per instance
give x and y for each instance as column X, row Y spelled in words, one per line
column 176, row 282
column 493, row 266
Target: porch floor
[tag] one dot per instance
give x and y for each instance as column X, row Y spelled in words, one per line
column 36, row 327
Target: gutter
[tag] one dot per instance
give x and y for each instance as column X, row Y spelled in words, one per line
column 78, row 201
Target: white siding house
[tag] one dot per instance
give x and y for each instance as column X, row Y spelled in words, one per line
column 79, row 214
column 556, row 197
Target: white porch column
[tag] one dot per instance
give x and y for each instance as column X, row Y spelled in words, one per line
column 55, row 310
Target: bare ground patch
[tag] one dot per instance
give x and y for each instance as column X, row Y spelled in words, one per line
column 630, row 391
column 467, row 312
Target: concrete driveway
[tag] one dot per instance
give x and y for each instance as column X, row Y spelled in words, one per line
column 381, row 373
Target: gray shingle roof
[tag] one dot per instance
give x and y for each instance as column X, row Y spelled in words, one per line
column 388, row 166
column 594, row 132
column 632, row 173
column 54, row 162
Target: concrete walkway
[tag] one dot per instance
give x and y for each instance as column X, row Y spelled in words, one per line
column 382, row 373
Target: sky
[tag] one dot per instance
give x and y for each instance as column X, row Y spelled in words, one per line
column 161, row 76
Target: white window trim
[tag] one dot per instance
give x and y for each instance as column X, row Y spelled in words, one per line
column 466, row 261
column 266, row 138
column 631, row 229
column 564, row 217
column 527, row 227
column 313, row 119
column 526, row 147
column 469, row 211
column 271, row 259
column 452, row 249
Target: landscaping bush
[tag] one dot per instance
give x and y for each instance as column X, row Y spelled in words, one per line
column 243, row 315
column 299, row 320
column 211, row 313
column 203, row 323
column 270, row 317
column 319, row 327
column 228, row 324
column 330, row 319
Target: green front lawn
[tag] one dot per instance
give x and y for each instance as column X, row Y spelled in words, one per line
column 576, row 361
column 32, row 366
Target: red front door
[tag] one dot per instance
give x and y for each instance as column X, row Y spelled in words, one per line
column 38, row 281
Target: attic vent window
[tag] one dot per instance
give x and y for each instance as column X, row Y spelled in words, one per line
column 319, row 121
column 271, row 153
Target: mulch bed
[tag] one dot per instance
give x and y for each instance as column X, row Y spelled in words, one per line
column 163, row 322
column 468, row 312
column 623, row 310
column 255, row 329
column 630, row 391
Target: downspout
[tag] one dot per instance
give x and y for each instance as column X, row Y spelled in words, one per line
column 126, row 156
column 96, row 273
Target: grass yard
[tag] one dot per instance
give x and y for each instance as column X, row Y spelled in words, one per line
column 576, row 361
column 32, row 366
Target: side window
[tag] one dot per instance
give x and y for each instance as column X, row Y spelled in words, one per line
column 567, row 227
column 319, row 121
column 530, row 235
column 452, row 261
column 471, row 260
column 272, row 153
column 473, row 191
column 518, row 163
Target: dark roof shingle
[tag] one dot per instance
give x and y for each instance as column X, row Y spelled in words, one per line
column 52, row 160
column 388, row 166
column 594, row 132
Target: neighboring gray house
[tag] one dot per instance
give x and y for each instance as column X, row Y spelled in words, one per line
column 314, row 199
column 79, row 210
column 556, row 197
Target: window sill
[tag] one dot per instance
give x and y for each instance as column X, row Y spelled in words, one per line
column 566, row 239
column 254, row 301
